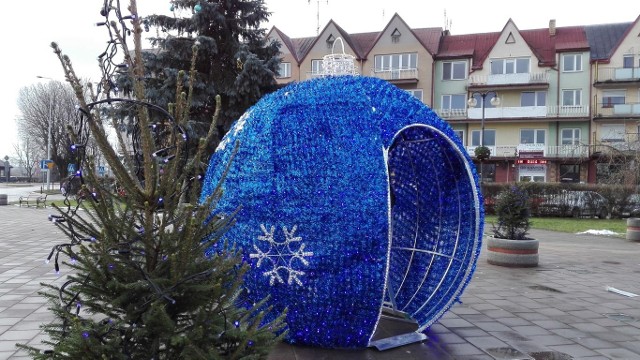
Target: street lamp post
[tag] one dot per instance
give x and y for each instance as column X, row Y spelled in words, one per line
column 49, row 140
column 495, row 100
column 7, row 168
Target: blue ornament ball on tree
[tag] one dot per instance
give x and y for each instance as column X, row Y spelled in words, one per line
column 354, row 196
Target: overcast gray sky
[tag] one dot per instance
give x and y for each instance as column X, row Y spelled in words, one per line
column 29, row 27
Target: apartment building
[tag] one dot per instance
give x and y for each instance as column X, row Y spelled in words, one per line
column 551, row 104
column 615, row 75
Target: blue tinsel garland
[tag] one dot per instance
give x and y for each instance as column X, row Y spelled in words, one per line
column 353, row 194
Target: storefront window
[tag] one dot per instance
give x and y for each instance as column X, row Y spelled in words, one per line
column 570, row 173
column 532, row 172
column 488, row 172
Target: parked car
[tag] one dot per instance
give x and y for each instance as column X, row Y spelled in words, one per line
column 574, row 203
column 630, row 208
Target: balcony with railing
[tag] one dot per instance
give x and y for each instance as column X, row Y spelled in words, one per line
column 536, row 150
column 396, row 75
column 618, row 110
column 515, row 112
column 501, row 151
column 509, row 79
column 452, row 114
column 616, row 148
column 616, row 75
column 314, row 74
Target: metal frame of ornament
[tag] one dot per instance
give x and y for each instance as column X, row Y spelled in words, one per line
column 395, row 302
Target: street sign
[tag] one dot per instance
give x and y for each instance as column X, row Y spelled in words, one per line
column 101, row 170
column 71, row 168
column 45, row 165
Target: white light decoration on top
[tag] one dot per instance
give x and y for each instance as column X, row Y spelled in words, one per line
column 338, row 64
column 281, row 255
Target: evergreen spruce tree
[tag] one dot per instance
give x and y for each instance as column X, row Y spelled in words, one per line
column 234, row 58
column 513, row 209
column 139, row 283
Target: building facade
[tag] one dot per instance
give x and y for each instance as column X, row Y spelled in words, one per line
column 559, row 104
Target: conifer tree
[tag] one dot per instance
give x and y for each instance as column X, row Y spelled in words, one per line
column 139, row 285
column 235, row 60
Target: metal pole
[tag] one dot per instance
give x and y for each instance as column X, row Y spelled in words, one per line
column 49, row 123
column 49, row 140
column 483, row 95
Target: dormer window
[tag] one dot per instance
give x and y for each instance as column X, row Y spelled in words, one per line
column 330, row 41
column 395, row 36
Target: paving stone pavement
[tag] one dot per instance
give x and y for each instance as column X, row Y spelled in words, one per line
column 559, row 310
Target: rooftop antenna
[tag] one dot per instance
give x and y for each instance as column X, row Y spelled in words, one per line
column 447, row 22
column 317, row 15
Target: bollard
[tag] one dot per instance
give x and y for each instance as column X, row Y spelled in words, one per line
column 633, row 229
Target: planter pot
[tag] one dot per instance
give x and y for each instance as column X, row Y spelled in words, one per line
column 512, row 253
column 633, row 229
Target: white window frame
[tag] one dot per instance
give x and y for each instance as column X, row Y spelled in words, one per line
column 573, row 139
column 510, row 66
column 452, row 71
column 284, row 71
column 625, row 64
column 533, row 178
column 613, row 94
column 571, row 62
column 316, row 66
column 477, row 133
column 399, row 61
column 538, row 96
column 446, row 101
column 576, row 97
column 536, row 133
column 416, row 93
column 612, row 133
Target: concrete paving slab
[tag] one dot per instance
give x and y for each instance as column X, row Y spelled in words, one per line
column 561, row 308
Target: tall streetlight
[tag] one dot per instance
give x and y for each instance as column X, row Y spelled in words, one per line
column 495, row 101
column 49, row 141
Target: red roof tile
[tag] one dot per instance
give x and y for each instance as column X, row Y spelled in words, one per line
column 429, row 37
column 543, row 45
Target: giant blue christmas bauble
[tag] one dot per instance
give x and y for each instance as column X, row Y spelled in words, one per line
column 354, row 195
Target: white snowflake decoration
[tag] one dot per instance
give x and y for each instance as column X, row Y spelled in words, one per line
column 281, row 255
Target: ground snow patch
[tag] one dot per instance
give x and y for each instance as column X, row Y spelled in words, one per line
column 598, row 232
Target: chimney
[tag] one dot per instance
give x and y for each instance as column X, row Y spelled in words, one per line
column 552, row 27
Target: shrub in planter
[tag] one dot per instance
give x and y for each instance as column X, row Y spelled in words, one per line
column 510, row 245
column 513, row 211
column 482, row 152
